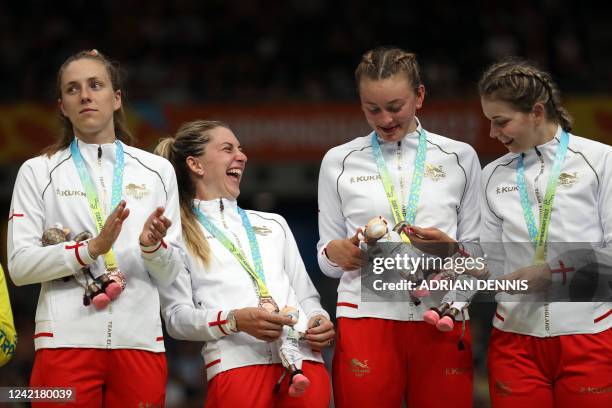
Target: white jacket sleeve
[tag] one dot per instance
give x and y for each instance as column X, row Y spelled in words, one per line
column 185, row 318
column 605, row 198
column 306, row 293
column 331, row 220
column 163, row 260
column 578, row 259
column 491, row 231
column 28, row 261
column 468, row 216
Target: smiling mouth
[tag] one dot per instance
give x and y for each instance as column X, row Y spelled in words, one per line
column 236, row 174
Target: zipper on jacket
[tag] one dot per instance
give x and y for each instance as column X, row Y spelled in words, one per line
column 535, row 182
column 546, row 316
column 104, row 199
column 224, row 222
column 400, row 175
column 222, row 213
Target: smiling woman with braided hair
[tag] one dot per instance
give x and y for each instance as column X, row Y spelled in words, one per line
column 548, row 354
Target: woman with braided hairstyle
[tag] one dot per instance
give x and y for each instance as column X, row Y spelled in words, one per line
column 548, row 353
column 385, row 352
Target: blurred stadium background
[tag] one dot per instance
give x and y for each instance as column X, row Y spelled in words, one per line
column 280, row 73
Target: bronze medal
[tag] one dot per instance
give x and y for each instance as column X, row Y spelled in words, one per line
column 267, row 303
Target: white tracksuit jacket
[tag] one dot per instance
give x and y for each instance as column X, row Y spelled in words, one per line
column 196, row 305
column 47, row 191
column 351, row 193
column 582, row 212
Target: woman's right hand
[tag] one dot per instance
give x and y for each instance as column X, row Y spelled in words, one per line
column 345, row 252
column 260, row 323
column 104, row 241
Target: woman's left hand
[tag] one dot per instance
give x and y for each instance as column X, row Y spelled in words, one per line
column 155, row 228
column 321, row 335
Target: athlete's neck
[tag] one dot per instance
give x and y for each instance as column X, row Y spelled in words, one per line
column 413, row 126
column 97, row 137
column 546, row 133
column 204, row 193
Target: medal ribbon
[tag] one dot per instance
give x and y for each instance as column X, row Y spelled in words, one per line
column 256, row 273
column 92, row 195
column 539, row 237
column 415, row 187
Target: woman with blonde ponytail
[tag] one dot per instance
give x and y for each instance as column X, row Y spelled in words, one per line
column 386, row 353
column 546, row 201
column 195, row 242
column 242, row 268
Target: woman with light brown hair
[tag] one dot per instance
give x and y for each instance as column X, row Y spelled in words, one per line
column 96, row 223
column 385, row 352
column 543, row 352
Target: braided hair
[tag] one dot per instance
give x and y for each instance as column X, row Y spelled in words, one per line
column 522, row 85
column 385, row 62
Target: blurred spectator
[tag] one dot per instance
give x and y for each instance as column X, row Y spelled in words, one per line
column 257, row 50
